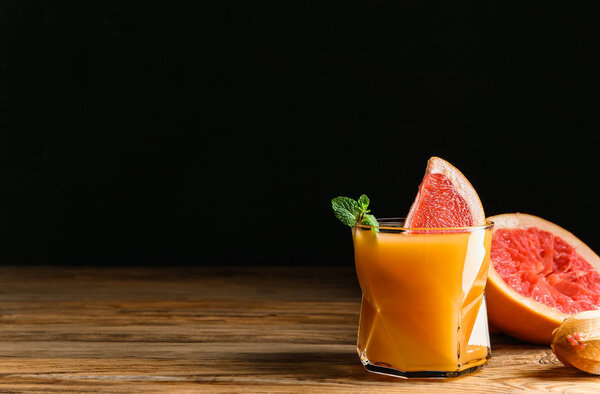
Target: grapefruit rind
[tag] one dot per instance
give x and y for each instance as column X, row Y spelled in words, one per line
column 515, row 314
column 436, row 165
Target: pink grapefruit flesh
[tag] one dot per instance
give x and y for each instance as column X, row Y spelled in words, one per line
column 440, row 205
column 543, row 266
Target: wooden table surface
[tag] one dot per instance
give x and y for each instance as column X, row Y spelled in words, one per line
column 266, row 329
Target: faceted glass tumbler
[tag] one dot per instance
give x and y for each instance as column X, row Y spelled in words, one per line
column 423, row 311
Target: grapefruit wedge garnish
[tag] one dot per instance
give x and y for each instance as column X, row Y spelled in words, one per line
column 539, row 275
column 445, row 199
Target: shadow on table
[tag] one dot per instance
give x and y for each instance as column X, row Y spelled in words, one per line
column 310, row 366
column 557, row 373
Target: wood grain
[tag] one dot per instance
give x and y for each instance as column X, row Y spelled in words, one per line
column 265, row 329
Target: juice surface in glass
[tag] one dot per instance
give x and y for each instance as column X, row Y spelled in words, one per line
column 423, row 307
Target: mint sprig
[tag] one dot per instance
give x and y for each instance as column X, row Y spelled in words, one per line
column 351, row 212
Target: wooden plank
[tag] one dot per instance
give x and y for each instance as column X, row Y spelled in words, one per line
column 266, row 329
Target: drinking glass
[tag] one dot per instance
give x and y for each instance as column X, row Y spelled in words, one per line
column 423, row 311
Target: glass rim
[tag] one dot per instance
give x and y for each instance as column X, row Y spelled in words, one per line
column 488, row 224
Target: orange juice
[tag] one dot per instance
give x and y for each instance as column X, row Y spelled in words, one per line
column 423, row 308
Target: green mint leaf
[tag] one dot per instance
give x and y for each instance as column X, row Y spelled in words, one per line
column 345, row 203
column 369, row 220
column 346, row 210
column 351, row 212
column 363, row 203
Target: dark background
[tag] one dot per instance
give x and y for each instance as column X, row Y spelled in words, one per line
column 161, row 133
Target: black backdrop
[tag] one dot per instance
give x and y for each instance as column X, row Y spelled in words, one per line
column 160, row 133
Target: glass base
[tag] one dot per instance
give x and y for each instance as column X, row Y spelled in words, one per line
column 421, row 374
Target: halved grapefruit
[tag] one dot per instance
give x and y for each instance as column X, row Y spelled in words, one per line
column 539, row 275
column 445, row 199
